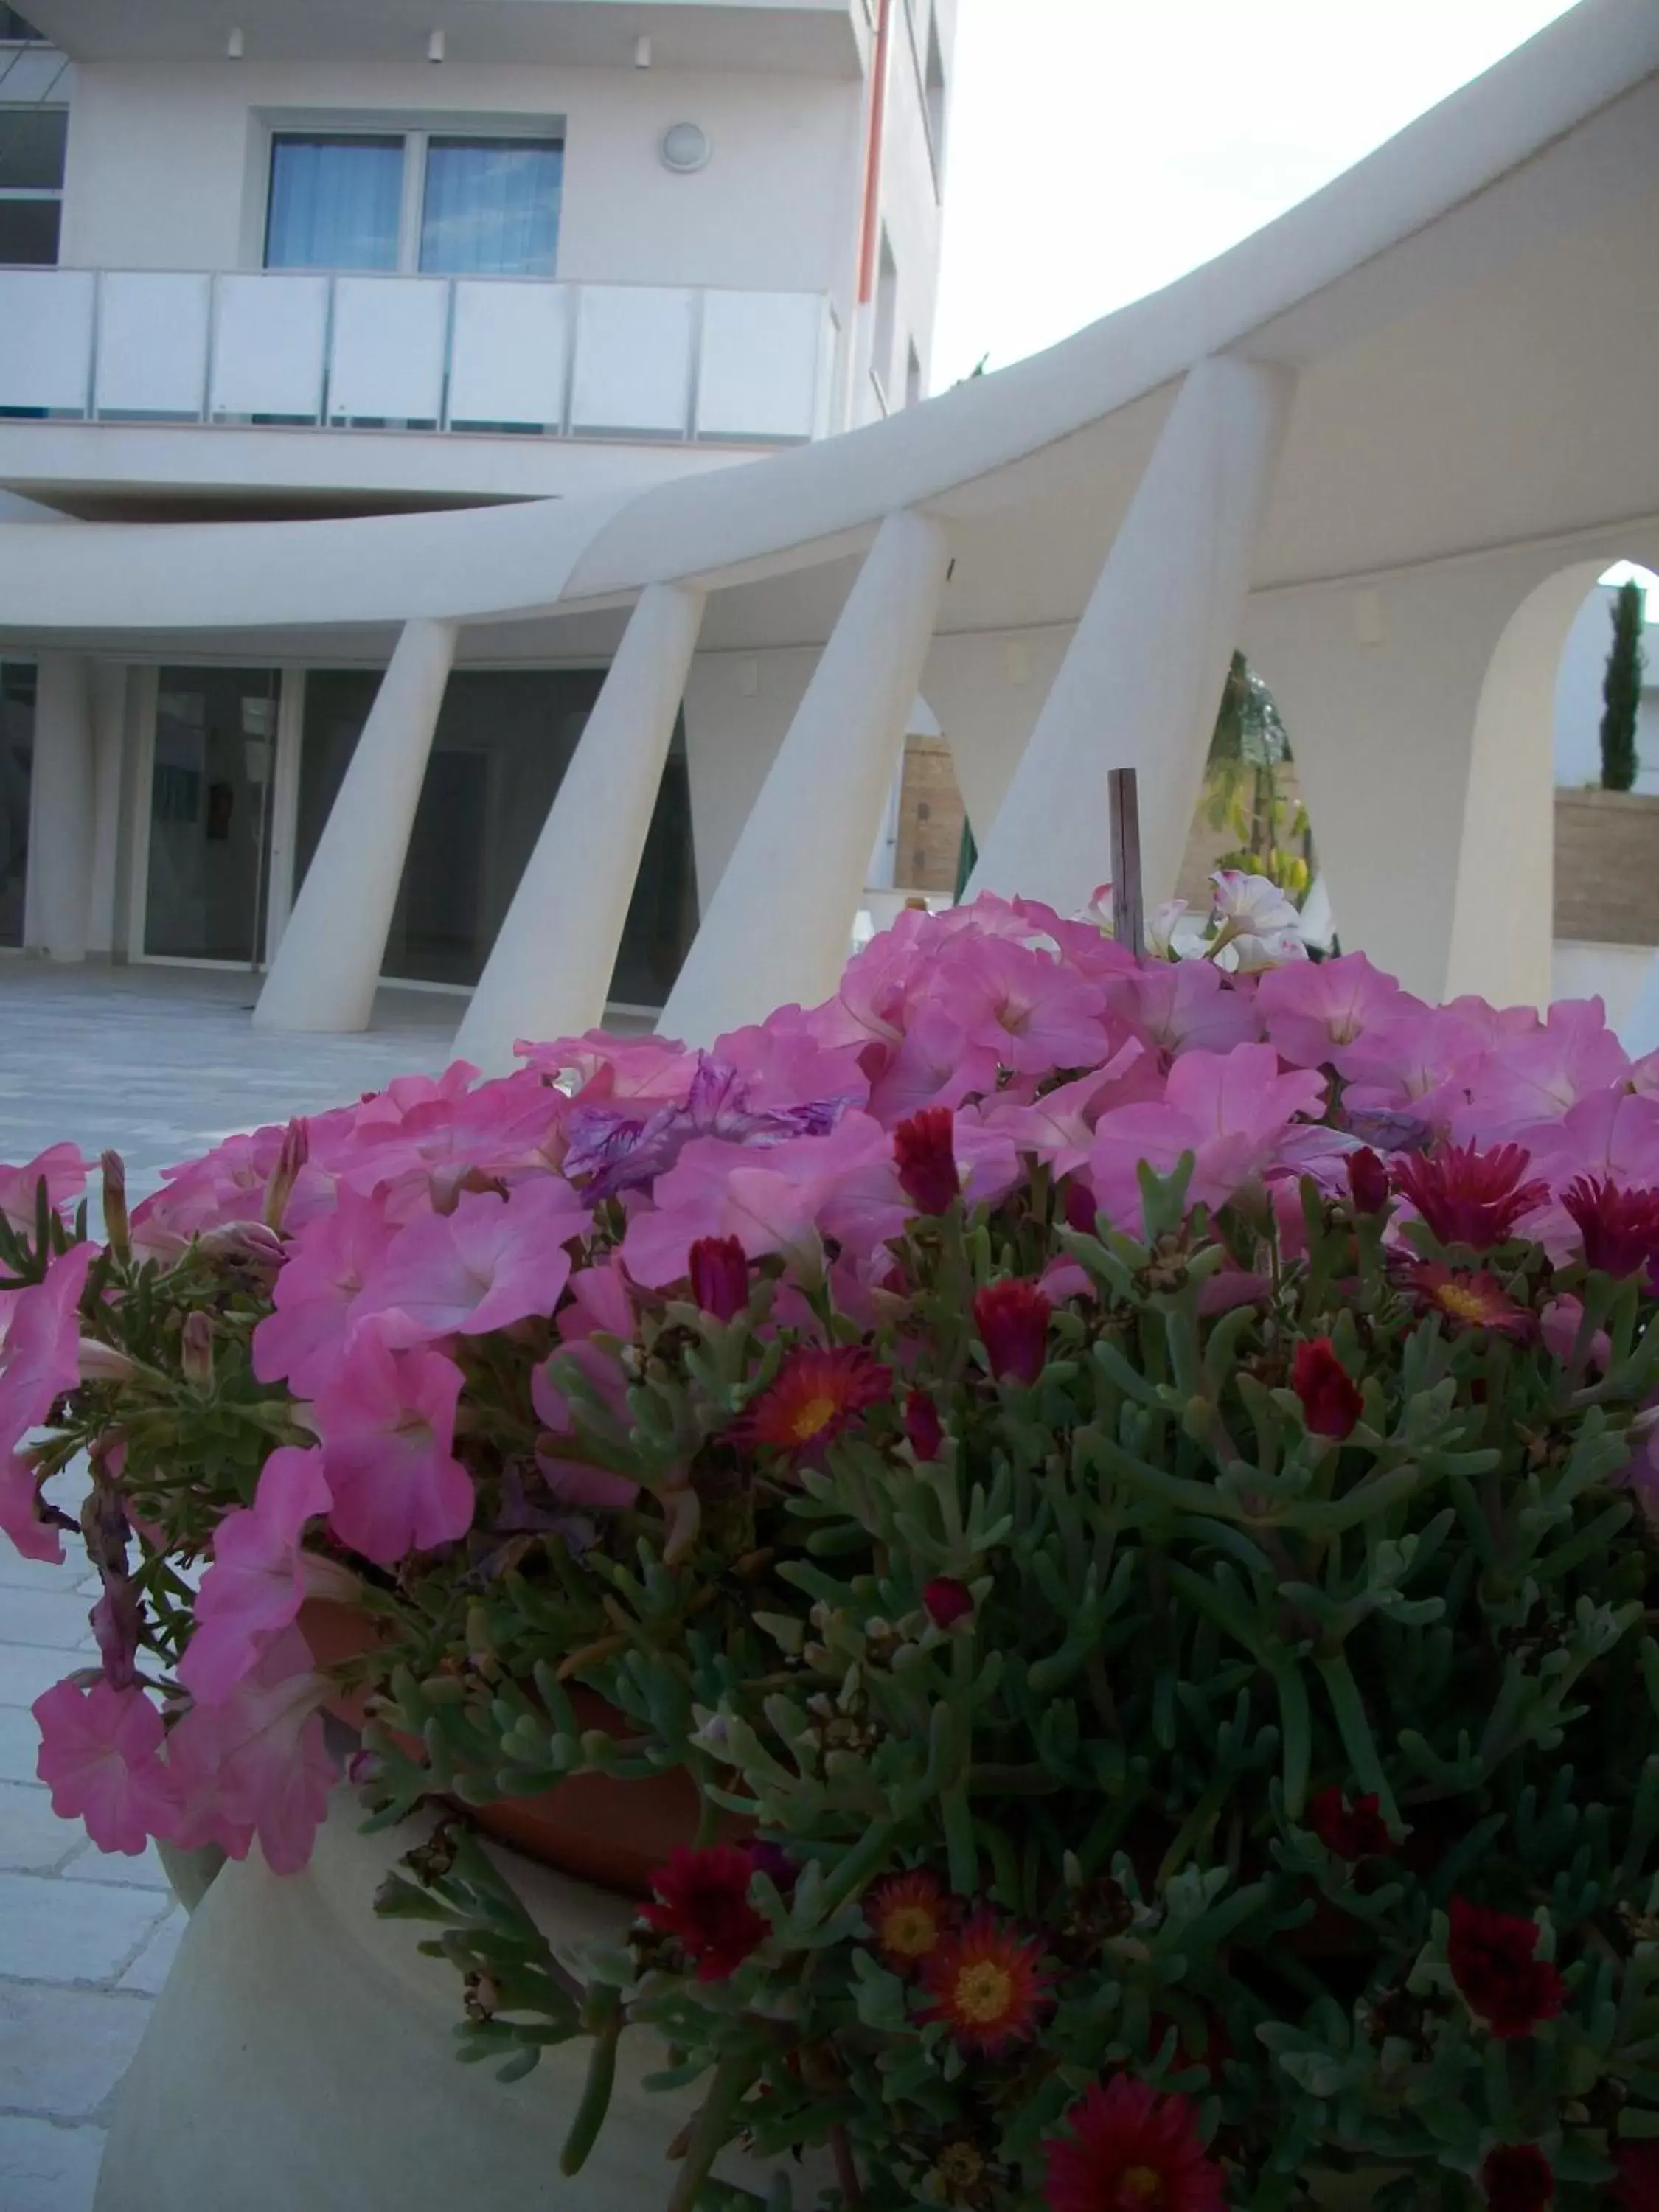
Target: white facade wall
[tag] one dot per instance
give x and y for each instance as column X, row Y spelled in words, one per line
column 168, row 165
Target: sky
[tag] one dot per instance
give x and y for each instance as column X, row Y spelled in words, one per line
column 1099, row 149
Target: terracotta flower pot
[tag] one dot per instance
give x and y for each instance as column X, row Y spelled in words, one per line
column 593, row 1827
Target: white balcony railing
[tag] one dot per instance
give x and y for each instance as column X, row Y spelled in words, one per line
column 461, row 353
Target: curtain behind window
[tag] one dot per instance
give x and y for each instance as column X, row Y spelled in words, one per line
column 491, row 207
column 334, row 202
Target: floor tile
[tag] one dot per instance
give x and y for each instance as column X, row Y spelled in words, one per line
column 20, row 1744
column 64, row 1931
column 33, row 1839
column 151, row 1967
column 90, row 1864
column 63, row 2051
column 27, row 1669
column 55, row 1617
column 45, row 2168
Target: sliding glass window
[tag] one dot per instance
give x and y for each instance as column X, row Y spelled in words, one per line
column 446, row 206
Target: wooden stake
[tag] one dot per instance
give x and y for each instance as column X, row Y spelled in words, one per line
column 1128, row 901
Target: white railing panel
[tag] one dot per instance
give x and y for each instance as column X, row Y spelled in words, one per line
column 270, row 342
column 634, row 345
column 759, row 373
column 387, row 357
column 509, row 353
column 45, row 337
column 152, row 344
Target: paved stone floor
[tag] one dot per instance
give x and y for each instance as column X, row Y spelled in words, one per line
column 158, row 1063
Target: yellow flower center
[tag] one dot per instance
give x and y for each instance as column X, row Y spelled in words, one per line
column 1464, row 1304
column 960, row 2167
column 985, row 1993
column 911, row 1930
column 1142, row 2182
column 815, row 1415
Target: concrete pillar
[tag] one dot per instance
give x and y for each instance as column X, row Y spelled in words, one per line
column 1141, row 684
column 62, row 811
column 325, row 974
column 550, row 971
column 109, row 735
column 777, row 929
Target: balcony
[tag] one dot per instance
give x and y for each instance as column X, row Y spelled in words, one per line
column 522, row 357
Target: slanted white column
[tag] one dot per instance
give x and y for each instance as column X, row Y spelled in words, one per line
column 1141, row 683
column 777, row 928
column 550, row 971
column 325, row 974
column 62, row 816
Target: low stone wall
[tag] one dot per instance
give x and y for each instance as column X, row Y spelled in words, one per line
column 1606, row 866
column 930, row 818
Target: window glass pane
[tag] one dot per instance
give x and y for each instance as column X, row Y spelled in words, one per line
column 14, row 29
column 16, row 760
column 28, row 231
column 209, row 812
column 503, row 744
column 491, row 207
column 32, row 147
column 334, row 202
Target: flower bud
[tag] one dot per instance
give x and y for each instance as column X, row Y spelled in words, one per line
column 295, row 1152
column 102, row 1363
column 947, row 1601
column 1368, row 1180
column 719, row 1269
column 925, row 1150
column 1012, row 1317
column 922, row 1425
column 195, row 1351
column 117, row 1228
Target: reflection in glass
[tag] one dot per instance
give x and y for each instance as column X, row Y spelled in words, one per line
column 16, row 761
column 503, row 744
column 209, row 813
column 334, row 202
column 491, row 207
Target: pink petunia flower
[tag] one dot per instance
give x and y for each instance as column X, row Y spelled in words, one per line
column 63, row 1170
column 1315, row 1013
column 255, row 1585
column 1230, row 1110
column 304, row 1339
column 99, row 1757
column 489, row 1263
column 1024, row 1005
column 1537, row 1076
column 257, row 1765
column 387, row 1422
column 39, row 1359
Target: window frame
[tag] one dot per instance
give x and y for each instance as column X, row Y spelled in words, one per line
column 415, row 139
column 12, row 195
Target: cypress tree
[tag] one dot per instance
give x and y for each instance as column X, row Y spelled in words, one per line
column 1621, row 693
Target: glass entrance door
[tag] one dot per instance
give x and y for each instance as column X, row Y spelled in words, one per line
column 208, row 884
column 16, row 762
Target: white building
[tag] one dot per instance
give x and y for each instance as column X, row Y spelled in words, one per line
column 1386, row 445
column 298, row 259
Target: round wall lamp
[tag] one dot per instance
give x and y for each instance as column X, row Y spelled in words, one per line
column 686, row 148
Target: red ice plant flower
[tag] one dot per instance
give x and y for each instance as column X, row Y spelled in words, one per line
column 1619, row 1228
column 922, row 1425
column 986, row 1985
column 703, row 1900
column 1474, row 1301
column 1471, row 1197
column 1368, row 1180
column 1131, row 2150
column 1012, row 1317
column 1331, row 1404
column 1491, row 1958
column 719, row 1269
column 908, row 1914
column 924, row 1148
column 1637, row 2189
column 815, row 1395
column 1352, row 1831
column 947, row 1600
column 1517, row 2177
